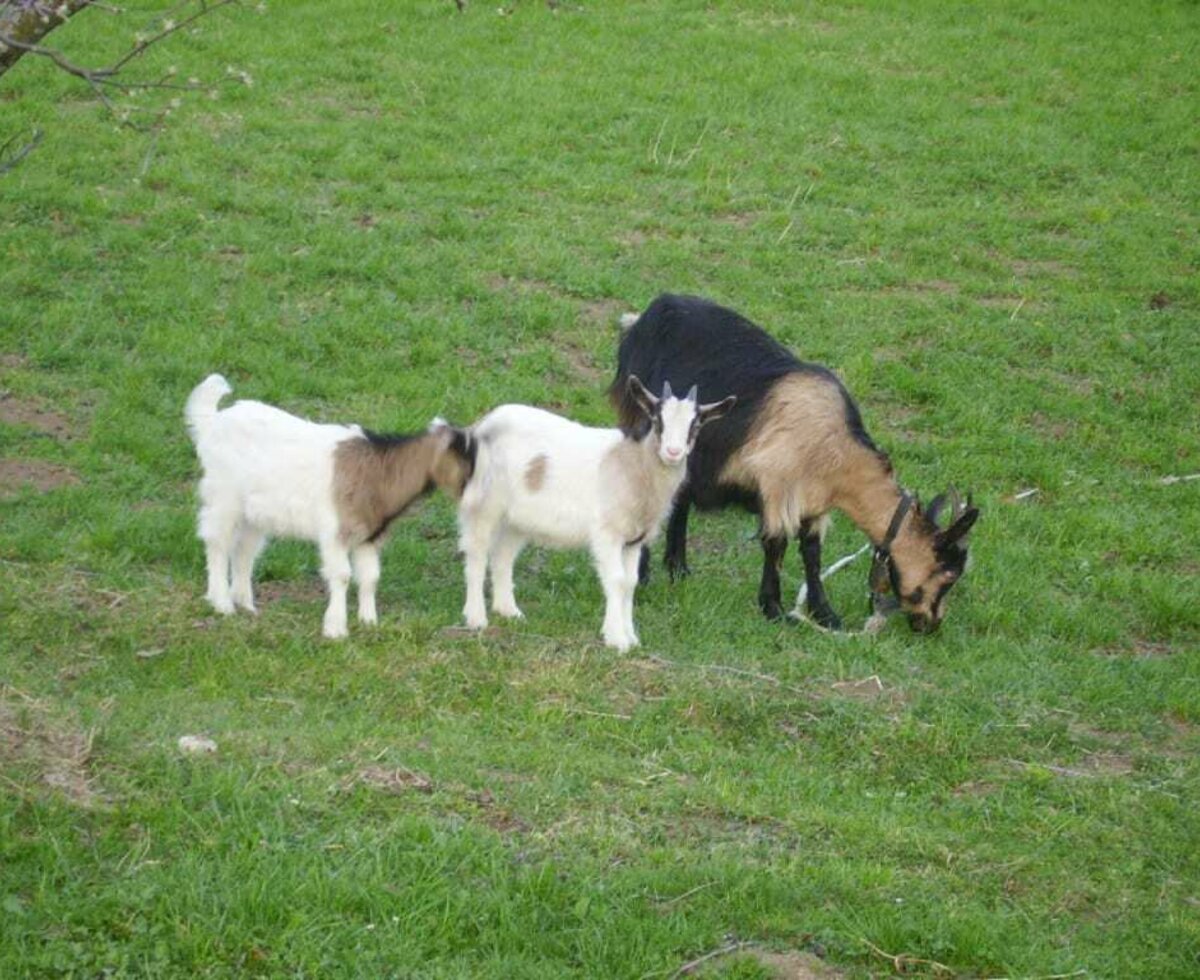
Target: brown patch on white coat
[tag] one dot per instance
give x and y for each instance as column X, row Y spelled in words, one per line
column 535, row 473
column 376, row 478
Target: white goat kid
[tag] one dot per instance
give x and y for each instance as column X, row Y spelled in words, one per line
column 268, row 473
column 542, row 478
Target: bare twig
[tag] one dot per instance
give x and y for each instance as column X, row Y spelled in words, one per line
column 19, row 154
column 1166, row 481
column 770, row 679
column 666, row 903
column 19, row 38
column 725, row 950
column 901, row 961
column 1061, row 770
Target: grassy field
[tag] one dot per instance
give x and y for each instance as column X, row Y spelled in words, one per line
column 986, row 217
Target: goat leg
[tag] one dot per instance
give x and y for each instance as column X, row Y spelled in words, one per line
column 774, row 549
column 675, row 556
column 816, row 599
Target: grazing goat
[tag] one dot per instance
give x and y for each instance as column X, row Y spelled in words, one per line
column 793, row 448
column 268, row 473
column 543, row 478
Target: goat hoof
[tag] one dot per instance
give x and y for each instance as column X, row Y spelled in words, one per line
column 771, row 609
column 827, row 618
column 508, row 612
column 678, row 572
column 224, row 606
column 336, row 633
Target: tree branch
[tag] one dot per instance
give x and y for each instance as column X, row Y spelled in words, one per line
column 10, row 160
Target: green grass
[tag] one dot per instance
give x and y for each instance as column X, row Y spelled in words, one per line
column 966, row 209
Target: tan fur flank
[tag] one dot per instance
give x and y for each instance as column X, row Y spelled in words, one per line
column 373, row 484
column 796, row 453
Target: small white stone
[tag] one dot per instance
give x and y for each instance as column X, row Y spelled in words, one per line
column 196, row 745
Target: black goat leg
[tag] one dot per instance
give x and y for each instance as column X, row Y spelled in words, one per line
column 774, row 549
column 817, row 601
column 675, row 557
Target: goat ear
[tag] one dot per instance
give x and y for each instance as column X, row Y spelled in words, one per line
column 715, row 410
column 958, row 530
column 646, row 401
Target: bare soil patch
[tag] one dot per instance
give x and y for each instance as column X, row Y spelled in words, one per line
column 793, row 965
column 15, row 474
column 300, row 590
column 604, row 312
column 30, row 414
column 13, row 361
column 1107, row 764
column 54, row 752
column 395, row 779
column 581, row 362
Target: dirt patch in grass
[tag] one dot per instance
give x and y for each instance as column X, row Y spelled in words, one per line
column 580, row 360
column 603, row 312
column 1142, row 648
column 50, row 751
column 869, row 690
column 15, row 474
column 943, row 287
column 1041, row 267
column 13, row 361
column 394, row 779
column 27, row 413
column 1076, row 383
column 1056, row 429
column 1107, row 764
column 790, row 965
column 739, row 219
column 299, row 590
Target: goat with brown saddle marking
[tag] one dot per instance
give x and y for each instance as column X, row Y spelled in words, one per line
column 792, row 448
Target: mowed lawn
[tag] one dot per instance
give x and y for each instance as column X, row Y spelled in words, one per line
column 985, row 217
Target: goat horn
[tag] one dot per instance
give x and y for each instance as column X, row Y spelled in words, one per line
column 667, row 392
column 935, row 508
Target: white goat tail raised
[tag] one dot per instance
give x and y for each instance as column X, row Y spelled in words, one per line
column 268, row 473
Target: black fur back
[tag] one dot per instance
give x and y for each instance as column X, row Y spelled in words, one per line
column 689, row 341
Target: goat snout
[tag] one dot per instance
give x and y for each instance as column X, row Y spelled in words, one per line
column 922, row 623
column 672, row 454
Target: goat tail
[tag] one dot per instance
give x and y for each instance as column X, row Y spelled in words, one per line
column 628, row 320
column 202, row 402
column 480, row 483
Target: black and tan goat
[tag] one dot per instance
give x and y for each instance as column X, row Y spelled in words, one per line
column 792, row 449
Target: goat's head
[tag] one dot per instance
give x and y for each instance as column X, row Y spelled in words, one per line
column 676, row 421
column 453, row 461
column 918, row 587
